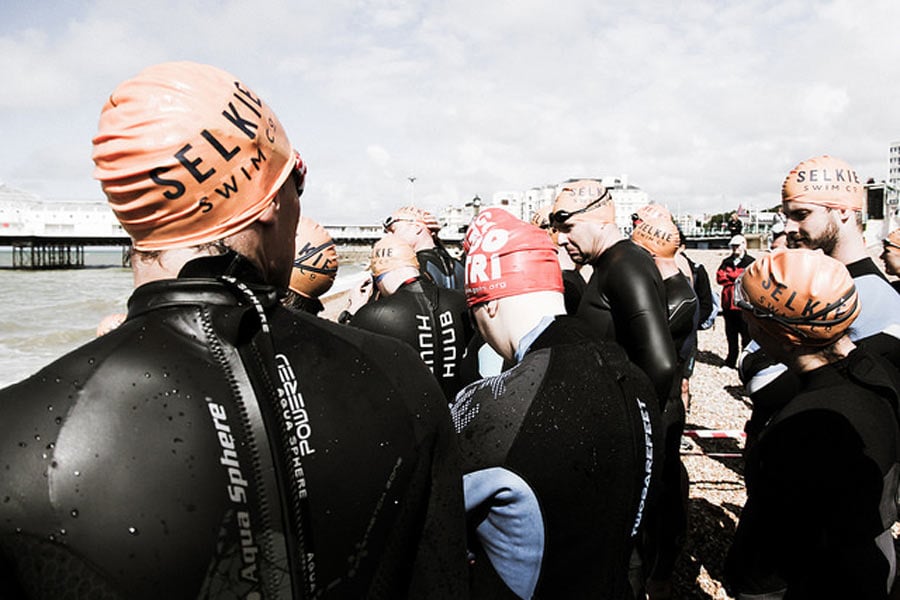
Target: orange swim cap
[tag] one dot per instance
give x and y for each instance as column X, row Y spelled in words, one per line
column 589, row 196
column 893, row 238
column 656, row 232
column 801, row 296
column 188, row 154
column 390, row 253
column 406, row 213
column 506, row 256
column 430, row 221
column 316, row 261
column 826, row 181
column 541, row 217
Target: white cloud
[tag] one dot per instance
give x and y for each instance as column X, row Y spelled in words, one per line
column 699, row 102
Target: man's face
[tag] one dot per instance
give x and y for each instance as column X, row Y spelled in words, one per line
column 891, row 258
column 581, row 239
column 811, row 226
column 738, row 249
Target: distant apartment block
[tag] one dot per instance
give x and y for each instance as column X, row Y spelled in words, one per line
column 522, row 204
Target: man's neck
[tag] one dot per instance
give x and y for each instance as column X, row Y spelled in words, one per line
column 850, row 248
column 805, row 362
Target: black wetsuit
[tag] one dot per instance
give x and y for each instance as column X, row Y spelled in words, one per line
column 434, row 321
column 667, row 518
column 558, row 453
column 702, row 288
column 573, row 289
column 821, row 486
column 442, row 268
column 625, row 301
column 218, row 445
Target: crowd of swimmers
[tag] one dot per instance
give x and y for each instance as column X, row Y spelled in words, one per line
column 507, row 424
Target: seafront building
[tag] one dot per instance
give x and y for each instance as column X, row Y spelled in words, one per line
column 523, row 203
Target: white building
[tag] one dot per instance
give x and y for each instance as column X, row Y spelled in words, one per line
column 894, row 165
column 23, row 213
column 523, row 204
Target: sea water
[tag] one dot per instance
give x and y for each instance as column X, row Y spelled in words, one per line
column 46, row 313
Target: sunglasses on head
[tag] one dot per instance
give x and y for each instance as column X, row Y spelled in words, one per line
column 561, row 216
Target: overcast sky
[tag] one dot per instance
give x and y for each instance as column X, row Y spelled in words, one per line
column 703, row 104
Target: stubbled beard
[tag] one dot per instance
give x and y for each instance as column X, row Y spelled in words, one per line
column 826, row 242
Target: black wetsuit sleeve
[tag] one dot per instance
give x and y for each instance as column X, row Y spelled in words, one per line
column 704, row 292
column 642, row 326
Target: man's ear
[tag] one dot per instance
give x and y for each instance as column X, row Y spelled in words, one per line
column 491, row 307
column 846, row 214
column 267, row 217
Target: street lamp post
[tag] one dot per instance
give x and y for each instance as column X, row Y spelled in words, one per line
column 412, row 190
column 475, row 205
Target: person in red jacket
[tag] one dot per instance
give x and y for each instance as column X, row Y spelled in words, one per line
column 728, row 272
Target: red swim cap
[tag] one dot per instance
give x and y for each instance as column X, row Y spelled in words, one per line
column 188, row 154
column 507, row 257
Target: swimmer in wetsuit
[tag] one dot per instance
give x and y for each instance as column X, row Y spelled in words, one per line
column 625, row 299
column 432, row 320
column 829, row 220
column 655, row 231
column 822, row 477
column 419, row 228
column 559, row 451
column 217, row 444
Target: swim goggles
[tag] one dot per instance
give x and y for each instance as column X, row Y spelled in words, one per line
column 561, row 216
column 390, row 221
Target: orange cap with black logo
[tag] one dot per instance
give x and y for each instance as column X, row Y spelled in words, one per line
column 390, row 253
column 655, row 231
column 187, row 154
column 826, row 181
column 406, row 213
column 893, row 238
column 801, row 296
column 587, row 194
column 316, row 260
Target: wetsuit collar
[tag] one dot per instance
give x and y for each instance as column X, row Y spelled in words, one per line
column 864, row 266
column 230, row 263
column 528, row 338
column 198, row 283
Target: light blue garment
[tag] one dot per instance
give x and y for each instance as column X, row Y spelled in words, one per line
column 512, row 534
column 528, row 338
